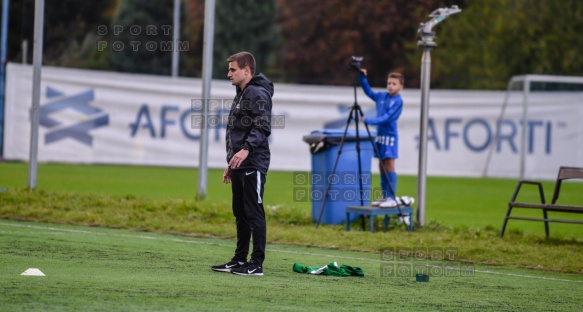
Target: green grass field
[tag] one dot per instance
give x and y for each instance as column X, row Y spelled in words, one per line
column 97, row 269
column 135, row 238
column 469, row 202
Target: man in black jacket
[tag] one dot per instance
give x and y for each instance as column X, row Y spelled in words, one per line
column 249, row 126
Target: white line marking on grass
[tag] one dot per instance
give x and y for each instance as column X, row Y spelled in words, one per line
column 192, row 241
column 64, row 231
column 528, row 276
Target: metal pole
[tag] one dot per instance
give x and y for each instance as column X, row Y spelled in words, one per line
column 494, row 142
column 5, row 7
column 37, row 57
column 426, row 42
column 526, row 91
column 207, row 71
column 176, row 38
column 24, row 51
column 421, row 184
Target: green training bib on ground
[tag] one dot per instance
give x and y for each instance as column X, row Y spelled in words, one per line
column 331, row 269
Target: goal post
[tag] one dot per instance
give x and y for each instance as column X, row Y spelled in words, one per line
column 549, row 112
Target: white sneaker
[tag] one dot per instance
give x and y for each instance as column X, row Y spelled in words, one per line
column 405, row 200
column 404, row 219
column 389, row 203
column 377, row 202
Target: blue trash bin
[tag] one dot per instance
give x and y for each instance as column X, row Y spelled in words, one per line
column 344, row 183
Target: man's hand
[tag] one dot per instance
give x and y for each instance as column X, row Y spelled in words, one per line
column 362, row 118
column 227, row 176
column 363, row 71
column 238, row 159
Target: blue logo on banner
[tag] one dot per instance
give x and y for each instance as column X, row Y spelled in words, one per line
column 80, row 131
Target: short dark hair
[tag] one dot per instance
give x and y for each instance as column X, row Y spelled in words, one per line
column 397, row 76
column 243, row 59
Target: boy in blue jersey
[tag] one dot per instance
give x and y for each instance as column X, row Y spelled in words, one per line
column 388, row 106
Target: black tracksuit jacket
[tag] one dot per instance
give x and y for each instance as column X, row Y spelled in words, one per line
column 249, row 124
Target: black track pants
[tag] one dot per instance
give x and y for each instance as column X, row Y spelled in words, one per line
column 247, row 186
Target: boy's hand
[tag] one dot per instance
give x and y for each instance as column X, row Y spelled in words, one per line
column 362, row 118
column 363, row 71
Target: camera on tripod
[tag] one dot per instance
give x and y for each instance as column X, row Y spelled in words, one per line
column 355, row 62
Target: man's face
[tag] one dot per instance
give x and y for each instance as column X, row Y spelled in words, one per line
column 238, row 76
column 394, row 86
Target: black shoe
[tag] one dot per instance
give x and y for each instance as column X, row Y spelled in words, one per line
column 227, row 267
column 249, row 269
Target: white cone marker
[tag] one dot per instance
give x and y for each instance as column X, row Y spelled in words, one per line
column 33, row 272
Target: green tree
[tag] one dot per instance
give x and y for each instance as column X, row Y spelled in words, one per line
column 145, row 42
column 67, row 24
column 320, row 36
column 244, row 26
column 492, row 40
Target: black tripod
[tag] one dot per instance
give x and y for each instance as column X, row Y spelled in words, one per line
column 355, row 112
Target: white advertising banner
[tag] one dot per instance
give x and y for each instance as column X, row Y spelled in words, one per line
column 114, row 118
